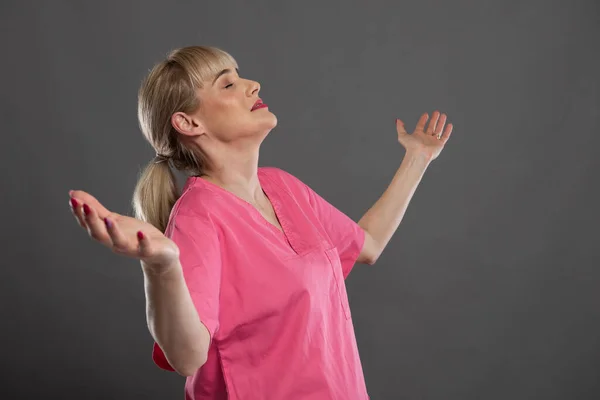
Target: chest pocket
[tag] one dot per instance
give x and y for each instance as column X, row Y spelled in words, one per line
column 338, row 276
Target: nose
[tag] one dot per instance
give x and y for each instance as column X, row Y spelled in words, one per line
column 253, row 88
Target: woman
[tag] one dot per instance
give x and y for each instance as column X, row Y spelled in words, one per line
column 244, row 268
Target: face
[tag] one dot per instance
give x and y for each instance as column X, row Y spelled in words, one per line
column 231, row 110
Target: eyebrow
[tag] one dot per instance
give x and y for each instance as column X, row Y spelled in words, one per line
column 223, row 72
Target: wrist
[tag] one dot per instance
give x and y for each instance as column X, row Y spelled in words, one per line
column 162, row 271
column 418, row 158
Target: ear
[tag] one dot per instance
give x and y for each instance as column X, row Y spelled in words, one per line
column 186, row 124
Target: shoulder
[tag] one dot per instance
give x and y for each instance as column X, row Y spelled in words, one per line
column 283, row 178
column 193, row 207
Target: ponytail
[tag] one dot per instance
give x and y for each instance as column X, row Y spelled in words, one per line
column 155, row 194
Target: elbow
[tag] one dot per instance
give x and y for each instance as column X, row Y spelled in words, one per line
column 186, row 372
column 188, row 357
column 366, row 259
column 372, row 261
column 373, row 257
column 371, row 250
column 190, row 366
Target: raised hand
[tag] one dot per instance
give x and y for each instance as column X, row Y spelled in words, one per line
column 122, row 234
column 430, row 141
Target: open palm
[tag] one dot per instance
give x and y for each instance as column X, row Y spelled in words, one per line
column 122, row 234
column 430, row 141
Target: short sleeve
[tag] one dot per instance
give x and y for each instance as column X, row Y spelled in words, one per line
column 345, row 234
column 200, row 259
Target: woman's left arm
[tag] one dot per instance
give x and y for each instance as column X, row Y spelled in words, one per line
column 383, row 218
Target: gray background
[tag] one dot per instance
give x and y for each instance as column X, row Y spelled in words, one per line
column 489, row 289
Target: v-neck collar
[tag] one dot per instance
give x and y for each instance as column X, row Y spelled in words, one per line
column 286, row 231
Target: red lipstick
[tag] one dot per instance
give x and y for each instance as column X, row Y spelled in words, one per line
column 259, row 104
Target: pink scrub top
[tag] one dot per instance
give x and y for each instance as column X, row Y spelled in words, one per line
column 274, row 303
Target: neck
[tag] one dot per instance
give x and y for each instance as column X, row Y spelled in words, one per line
column 237, row 172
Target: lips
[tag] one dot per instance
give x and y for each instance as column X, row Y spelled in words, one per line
column 258, row 104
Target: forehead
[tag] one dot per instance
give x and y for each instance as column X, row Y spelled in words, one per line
column 228, row 70
column 208, row 67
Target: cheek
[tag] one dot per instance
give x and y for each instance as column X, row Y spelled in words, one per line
column 226, row 115
column 228, row 105
column 218, row 111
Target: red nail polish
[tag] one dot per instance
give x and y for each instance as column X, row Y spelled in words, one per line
column 108, row 223
column 86, row 209
column 74, row 203
column 140, row 235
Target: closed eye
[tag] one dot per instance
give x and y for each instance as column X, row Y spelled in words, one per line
column 228, row 86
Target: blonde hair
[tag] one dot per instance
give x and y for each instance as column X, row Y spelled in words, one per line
column 171, row 86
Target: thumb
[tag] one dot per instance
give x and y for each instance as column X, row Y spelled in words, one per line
column 155, row 253
column 400, row 128
column 144, row 244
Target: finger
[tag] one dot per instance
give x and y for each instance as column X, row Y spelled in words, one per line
column 96, row 227
column 440, row 125
column 120, row 243
column 432, row 123
column 86, row 198
column 400, row 127
column 447, row 132
column 77, row 212
column 421, row 124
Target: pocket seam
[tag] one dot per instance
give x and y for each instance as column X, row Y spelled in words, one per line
column 335, row 264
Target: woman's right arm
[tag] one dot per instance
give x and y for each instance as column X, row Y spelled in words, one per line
column 172, row 318
column 171, row 315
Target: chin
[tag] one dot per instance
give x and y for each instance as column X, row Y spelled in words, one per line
column 270, row 121
column 274, row 121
